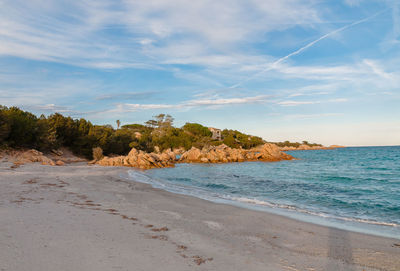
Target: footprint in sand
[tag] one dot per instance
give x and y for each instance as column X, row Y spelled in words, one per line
column 213, row 225
column 172, row 214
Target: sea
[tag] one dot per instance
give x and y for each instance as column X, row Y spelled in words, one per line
column 354, row 188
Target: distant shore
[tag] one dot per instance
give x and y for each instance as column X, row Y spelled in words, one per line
column 308, row 147
column 79, row 217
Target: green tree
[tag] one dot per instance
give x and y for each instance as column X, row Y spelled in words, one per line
column 23, row 130
column 151, row 123
column 197, row 130
column 161, row 121
column 4, row 126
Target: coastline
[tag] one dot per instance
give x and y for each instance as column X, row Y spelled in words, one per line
column 88, row 218
column 363, row 226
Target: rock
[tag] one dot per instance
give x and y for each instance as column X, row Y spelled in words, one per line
column 209, row 154
column 224, row 154
column 271, row 152
column 167, row 155
column 336, row 147
column 134, row 152
column 287, row 148
column 204, row 160
column 140, row 159
column 191, row 155
column 60, row 163
column 30, row 156
column 57, row 152
column 179, row 151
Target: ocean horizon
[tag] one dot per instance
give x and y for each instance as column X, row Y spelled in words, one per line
column 353, row 188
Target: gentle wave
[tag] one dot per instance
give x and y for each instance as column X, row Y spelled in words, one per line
column 293, row 208
column 140, row 177
column 341, row 188
column 217, row 186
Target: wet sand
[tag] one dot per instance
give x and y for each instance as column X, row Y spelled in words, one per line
column 80, row 217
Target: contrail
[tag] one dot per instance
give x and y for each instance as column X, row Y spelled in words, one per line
column 274, row 64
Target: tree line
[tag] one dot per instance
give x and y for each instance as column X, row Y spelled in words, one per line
column 22, row 129
column 296, row 144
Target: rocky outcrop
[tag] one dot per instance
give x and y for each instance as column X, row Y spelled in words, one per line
column 64, row 155
column 307, row 147
column 224, row 154
column 28, row 156
column 53, row 158
column 60, row 163
column 212, row 154
column 142, row 160
column 335, row 147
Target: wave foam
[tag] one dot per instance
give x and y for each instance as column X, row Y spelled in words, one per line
column 296, row 209
column 197, row 192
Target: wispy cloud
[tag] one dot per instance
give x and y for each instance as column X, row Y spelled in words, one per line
column 127, row 96
column 308, row 45
column 153, row 32
column 50, row 108
column 209, row 103
column 296, row 103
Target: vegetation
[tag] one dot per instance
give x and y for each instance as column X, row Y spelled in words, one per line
column 97, row 153
column 236, row 139
column 296, row 144
column 21, row 129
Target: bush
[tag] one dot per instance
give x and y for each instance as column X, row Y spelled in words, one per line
column 97, row 153
column 197, row 130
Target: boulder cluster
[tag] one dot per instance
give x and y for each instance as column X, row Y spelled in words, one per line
column 141, row 159
column 28, row 156
column 224, row 154
column 210, row 154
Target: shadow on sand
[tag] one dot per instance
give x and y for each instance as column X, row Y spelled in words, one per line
column 339, row 251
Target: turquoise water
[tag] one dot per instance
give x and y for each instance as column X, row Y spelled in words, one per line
column 350, row 188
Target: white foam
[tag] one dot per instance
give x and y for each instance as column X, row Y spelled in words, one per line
column 289, row 207
column 205, row 194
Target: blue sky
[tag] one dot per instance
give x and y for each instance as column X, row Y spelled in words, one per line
column 322, row 71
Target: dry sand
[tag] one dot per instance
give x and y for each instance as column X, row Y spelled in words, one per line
column 80, row 217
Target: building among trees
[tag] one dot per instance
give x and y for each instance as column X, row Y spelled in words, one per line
column 216, row 133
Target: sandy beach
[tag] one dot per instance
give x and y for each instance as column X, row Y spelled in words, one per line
column 79, row 217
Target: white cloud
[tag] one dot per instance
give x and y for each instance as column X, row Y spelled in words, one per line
column 365, row 69
column 308, row 94
column 151, row 33
column 52, row 108
column 296, row 103
column 227, row 101
column 378, row 70
column 209, row 103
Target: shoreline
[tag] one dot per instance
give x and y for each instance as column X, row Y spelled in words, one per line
column 370, row 227
column 81, row 215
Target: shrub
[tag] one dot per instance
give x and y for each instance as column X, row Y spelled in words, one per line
column 97, row 153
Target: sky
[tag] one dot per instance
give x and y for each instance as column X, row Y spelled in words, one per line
column 325, row 71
